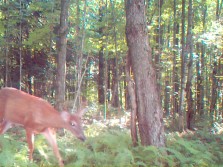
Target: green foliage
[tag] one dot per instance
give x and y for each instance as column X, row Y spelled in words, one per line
column 13, row 152
column 113, row 147
column 110, row 148
column 36, row 37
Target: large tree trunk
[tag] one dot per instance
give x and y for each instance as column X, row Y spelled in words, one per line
column 61, row 59
column 149, row 111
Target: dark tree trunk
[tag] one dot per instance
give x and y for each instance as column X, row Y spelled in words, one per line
column 115, row 84
column 61, row 59
column 149, row 110
column 101, row 94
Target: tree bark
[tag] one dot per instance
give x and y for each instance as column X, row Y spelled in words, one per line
column 167, row 97
column 149, row 111
column 189, row 45
column 20, row 45
column 213, row 91
column 175, row 76
column 159, row 43
column 115, row 84
column 201, row 67
column 61, row 59
column 183, row 70
column 101, row 94
column 132, row 94
column 200, row 81
column 115, row 102
column 101, row 66
column 80, row 47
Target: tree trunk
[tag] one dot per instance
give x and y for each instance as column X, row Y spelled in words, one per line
column 149, row 111
column 101, row 94
column 175, row 79
column 61, row 59
column 20, row 46
column 115, row 83
column 183, row 70
column 101, row 66
column 167, row 97
column 80, row 47
column 213, row 91
column 201, row 67
column 79, row 56
column 189, row 45
column 218, row 9
column 200, row 82
column 131, row 91
column 159, row 44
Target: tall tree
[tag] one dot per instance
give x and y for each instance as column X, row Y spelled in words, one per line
column 201, row 65
column 175, row 76
column 183, row 70
column 61, row 59
column 189, row 45
column 101, row 67
column 115, row 84
column 214, row 89
column 149, row 110
column 6, row 11
column 80, row 32
column 20, row 44
column 159, row 42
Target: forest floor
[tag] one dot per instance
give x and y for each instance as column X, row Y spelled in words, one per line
column 109, row 144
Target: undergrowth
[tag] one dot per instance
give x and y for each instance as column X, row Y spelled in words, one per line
column 111, row 146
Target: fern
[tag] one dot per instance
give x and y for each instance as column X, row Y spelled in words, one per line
column 124, row 158
column 112, row 147
column 13, row 152
column 190, row 152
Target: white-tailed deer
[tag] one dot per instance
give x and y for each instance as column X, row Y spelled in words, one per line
column 36, row 115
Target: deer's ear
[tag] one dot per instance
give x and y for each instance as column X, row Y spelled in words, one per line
column 81, row 112
column 83, row 109
column 65, row 116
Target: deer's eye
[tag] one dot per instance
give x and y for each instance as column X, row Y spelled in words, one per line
column 73, row 124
